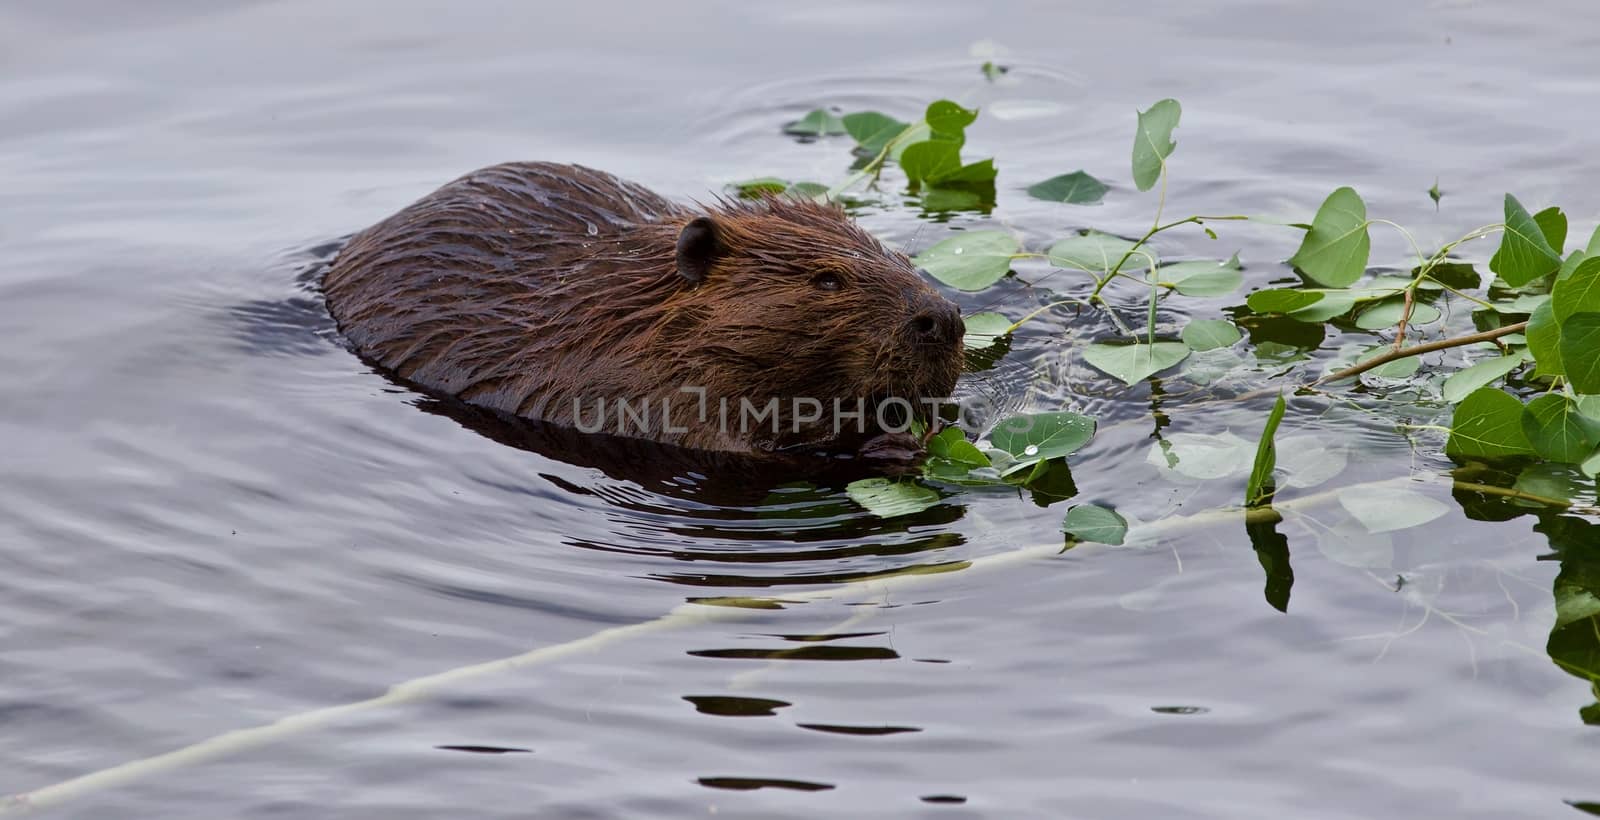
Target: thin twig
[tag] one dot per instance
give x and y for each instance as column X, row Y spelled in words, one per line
column 1405, row 316
column 1417, row 350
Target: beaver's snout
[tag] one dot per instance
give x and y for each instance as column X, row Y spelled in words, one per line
column 937, row 321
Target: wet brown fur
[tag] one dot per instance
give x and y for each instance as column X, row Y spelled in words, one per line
column 525, row 287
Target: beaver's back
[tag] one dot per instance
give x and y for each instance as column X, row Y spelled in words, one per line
column 457, row 291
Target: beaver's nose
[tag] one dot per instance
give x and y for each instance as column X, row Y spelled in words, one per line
column 938, row 322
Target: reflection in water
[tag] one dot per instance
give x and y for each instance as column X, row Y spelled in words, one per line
column 735, row 706
column 803, row 653
column 484, row 750
column 866, row 731
column 745, row 784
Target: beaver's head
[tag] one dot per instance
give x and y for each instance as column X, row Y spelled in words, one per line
column 793, row 300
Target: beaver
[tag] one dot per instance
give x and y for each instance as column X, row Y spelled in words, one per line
column 566, row 295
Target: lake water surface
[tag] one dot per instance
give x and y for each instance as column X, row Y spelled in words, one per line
column 214, row 517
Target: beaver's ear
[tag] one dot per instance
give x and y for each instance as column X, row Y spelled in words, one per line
column 698, row 248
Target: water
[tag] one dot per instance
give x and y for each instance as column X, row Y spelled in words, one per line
column 213, row 517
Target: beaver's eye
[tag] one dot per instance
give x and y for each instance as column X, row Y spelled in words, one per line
column 827, row 280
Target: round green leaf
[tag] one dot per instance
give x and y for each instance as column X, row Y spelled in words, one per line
column 1556, row 430
column 1525, row 254
column 984, row 329
column 1580, row 351
column 1335, row 250
column 1091, row 523
column 817, row 123
column 1210, row 334
column 1471, row 378
column 972, row 260
column 1550, row 480
column 1152, row 142
column 1032, row 438
column 1306, row 461
column 1095, row 252
column 1201, row 277
column 1133, row 363
column 888, row 498
column 1202, row 456
column 1282, row 300
column 1488, row 424
column 1333, row 303
column 1387, row 509
column 1076, row 188
column 1387, row 314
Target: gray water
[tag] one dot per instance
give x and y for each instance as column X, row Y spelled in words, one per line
column 213, row 516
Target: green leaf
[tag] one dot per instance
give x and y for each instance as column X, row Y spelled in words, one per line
column 1076, row 188
column 887, row 498
column 1133, row 363
column 1556, row 430
column 1524, row 254
column 913, row 134
column 753, row 188
column 1036, row 437
column 1589, row 406
column 1095, row 252
column 946, row 117
column 816, row 123
column 1388, row 313
column 1553, row 225
column 1202, row 277
column 1333, row 303
column 952, row 457
column 1403, row 368
column 1551, row 480
column 1580, row 351
column 1387, row 509
column 1152, row 142
column 1207, row 367
column 808, row 190
column 1591, row 466
column 1544, row 341
column 872, row 130
column 1488, row 424
column 930, row 160
column 1471, row 378
column 972, row 260
column 936, row 162
column 1282, row 300
column 1260, row 487
column 1306, row 461
column 973, row 173
column 1335, row 250
column 984, row 329
column 1201, row 456
column 1571, row 264
column 1210, row 334
column 1579, row 292
column 1088, row 522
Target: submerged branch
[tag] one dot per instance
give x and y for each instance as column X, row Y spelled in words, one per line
column 1417, row 350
